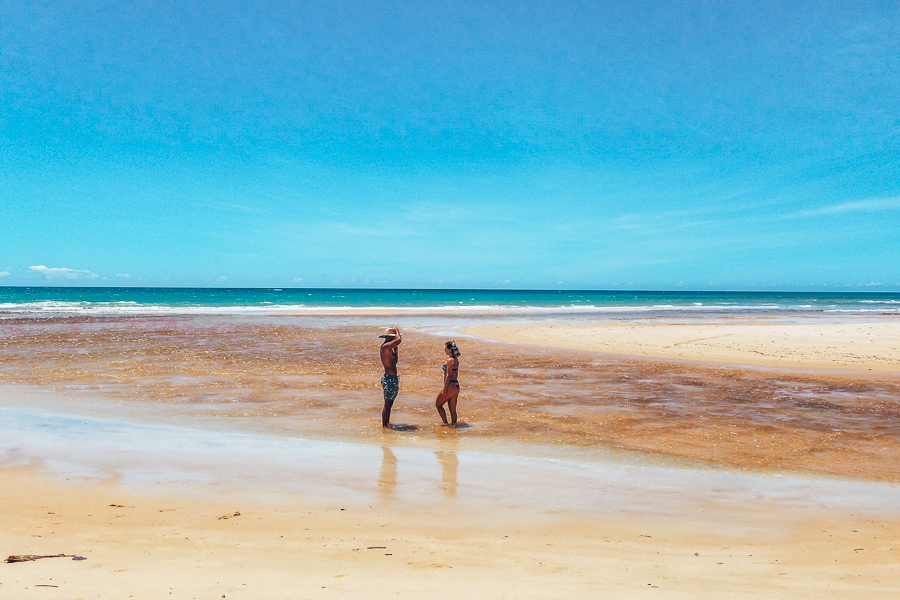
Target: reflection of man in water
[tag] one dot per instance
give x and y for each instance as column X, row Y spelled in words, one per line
column 388, row 479
column 390, row 382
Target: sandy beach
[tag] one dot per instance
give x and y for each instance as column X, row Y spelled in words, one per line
column 144, row 546
column 869, row 346
column 206, row 457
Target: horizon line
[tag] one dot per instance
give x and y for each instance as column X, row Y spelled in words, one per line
column 462, row 289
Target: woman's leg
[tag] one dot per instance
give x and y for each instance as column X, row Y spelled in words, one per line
column 439, row 404
column 451, row 403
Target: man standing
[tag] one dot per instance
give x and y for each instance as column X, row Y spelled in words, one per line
column 390, row 381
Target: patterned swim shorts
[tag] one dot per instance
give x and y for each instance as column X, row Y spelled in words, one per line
column 390, row 384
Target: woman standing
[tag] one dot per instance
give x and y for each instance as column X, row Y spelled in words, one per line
column 450, row 393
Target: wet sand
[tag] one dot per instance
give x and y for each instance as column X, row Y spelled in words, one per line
column 318, row 378
column 700, row 479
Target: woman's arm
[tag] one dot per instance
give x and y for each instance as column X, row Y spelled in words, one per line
column 448, row 367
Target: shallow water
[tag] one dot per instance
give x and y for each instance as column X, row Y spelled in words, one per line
column 206, row 464
column 316, row 378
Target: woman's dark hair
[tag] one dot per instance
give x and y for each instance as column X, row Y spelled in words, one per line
column 454, row 351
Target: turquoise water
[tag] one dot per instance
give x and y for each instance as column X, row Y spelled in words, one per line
column 105, row 300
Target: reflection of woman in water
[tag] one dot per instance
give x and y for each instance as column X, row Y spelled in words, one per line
column 450, row 392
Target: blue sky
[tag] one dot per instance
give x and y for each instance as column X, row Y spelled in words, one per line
column 605, row 144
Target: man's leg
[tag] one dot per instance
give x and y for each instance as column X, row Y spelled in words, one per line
column 386, row 412
column 390, row 385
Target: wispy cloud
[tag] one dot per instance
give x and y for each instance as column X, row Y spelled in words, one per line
column 64, row 273
column 856, row 206
column 123, row 275
column 4, row 273
column 218, row 204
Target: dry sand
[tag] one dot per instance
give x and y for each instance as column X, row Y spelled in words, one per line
column 851, row 346
column 155, row 547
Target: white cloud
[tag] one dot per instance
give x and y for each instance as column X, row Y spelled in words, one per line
column 123, row 275
column 298, row 279
column 62, row 273
column 4, row 273
column 222, row 278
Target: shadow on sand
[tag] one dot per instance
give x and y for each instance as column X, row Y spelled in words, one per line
column 402, row 427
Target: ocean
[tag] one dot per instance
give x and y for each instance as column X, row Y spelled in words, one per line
column 147, row 300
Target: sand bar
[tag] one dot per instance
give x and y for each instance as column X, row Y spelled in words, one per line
column 851, row 346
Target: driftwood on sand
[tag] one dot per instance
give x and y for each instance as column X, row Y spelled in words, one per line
column 14, row 558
